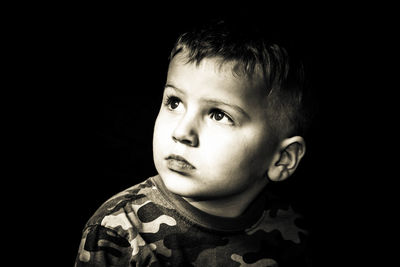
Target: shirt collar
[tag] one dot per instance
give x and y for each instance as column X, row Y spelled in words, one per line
column 248, row 218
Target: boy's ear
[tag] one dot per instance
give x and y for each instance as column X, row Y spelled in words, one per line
column 285, row 161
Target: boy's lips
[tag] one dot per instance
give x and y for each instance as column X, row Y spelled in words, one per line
column 178, row 163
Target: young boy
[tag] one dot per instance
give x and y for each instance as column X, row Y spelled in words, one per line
column 231, row 121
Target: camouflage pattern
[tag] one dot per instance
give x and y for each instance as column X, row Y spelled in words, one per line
column 146, row 225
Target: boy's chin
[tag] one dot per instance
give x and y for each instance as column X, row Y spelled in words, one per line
column 182, row 185
column 189, row 188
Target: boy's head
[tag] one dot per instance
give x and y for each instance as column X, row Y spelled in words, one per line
column 232, row 114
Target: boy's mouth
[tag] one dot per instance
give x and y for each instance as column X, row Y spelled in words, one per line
column 178, row 163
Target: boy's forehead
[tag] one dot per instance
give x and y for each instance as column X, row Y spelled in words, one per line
column 220, row 64
column 220, row 70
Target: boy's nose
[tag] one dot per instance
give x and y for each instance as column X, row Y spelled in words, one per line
column 186, row 132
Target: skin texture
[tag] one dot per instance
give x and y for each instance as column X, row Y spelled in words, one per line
column 217, row 122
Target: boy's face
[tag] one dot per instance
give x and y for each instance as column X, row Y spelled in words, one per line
column 217, row 123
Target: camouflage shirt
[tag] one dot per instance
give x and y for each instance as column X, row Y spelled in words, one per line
column 146, row 225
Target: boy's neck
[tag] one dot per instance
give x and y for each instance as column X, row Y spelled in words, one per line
column 232, row 206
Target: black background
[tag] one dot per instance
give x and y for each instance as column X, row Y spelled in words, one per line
column 88, row 92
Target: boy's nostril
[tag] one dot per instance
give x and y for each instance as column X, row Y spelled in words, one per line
column 190, row 140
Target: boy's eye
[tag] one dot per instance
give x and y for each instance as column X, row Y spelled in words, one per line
column 173, row 102
column 221, row 117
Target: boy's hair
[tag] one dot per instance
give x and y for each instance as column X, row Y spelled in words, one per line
column 249, row 50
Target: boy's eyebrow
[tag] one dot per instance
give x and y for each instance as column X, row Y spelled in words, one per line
column 214, row 101
column 219, row 102
column 177, row 89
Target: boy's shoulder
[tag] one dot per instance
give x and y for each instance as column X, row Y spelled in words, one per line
column 123, row 201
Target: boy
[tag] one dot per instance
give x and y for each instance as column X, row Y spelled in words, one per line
column 231, row 121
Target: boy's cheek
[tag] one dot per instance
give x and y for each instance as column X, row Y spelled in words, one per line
column 161, row 125
column 165, row 121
